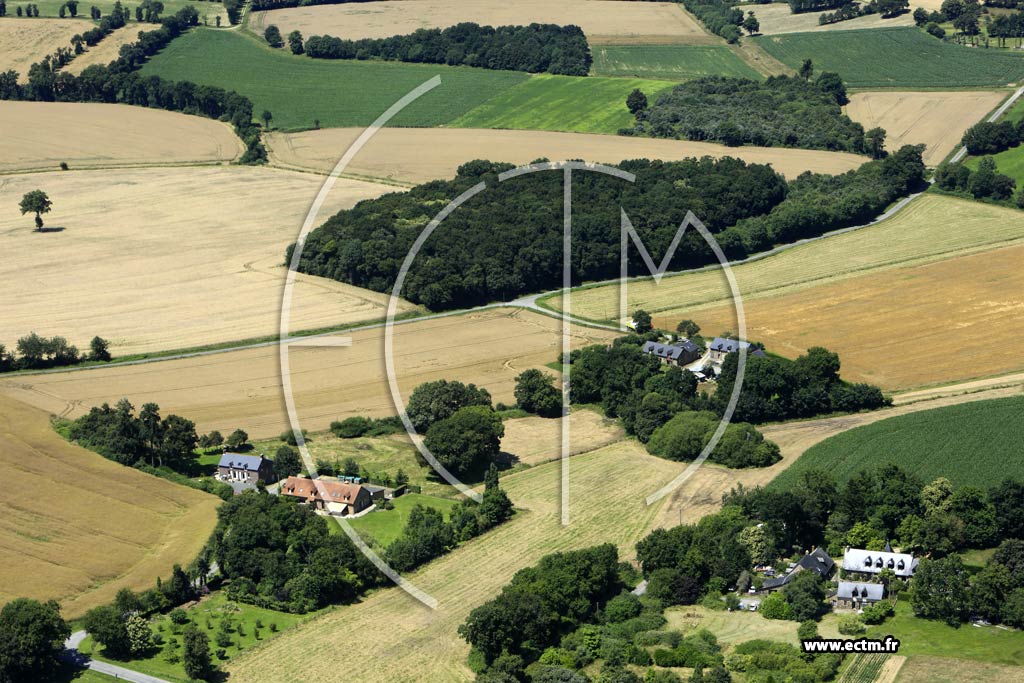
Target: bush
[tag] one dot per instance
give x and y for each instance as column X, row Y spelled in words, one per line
column 622, row 607
column 851, row 626
column 775, row 607
column 178, row 616
column 351, row 427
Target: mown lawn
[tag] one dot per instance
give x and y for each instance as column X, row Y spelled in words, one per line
column 896, row 57
column 299, row 90
column 562, row 103
column 243, row 631
column 384, row 526
column 975, row 444
column 670, row 62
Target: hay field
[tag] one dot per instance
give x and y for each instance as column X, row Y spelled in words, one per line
column 107, row 50
column 935, row 119
column 422, row 645
column 243, row 388
column 603, row 21
column 946, row 670
column 40, row 135
column 77, row 528
column 397, row 154
column 776, row 18
column 534, row 440
column 174, row 257
column 932, row 227
column 26, row 41
column 902, row 327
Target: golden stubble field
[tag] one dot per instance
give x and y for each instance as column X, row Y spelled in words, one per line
column 40, row 135
column 24, row 42
column 415, row 155
column 78, row 528
column 935, row 119
column 107, row 50
column 154, row 259
column 243, row 388
column 603, row 21
column 535, row 440
column 777, row 18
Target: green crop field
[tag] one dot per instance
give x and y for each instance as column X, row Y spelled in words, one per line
column 298, row 90
column 1010, row 162
column 562, row 103
column 863, row 668
column 896, row 57
column 973, row 444
column 670, row 62
column 384, row 526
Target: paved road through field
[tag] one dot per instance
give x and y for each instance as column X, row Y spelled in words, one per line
column 118, row 672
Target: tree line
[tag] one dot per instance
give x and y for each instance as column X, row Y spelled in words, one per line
column 537, row 48
column 119, row 82
column 852, row 10
column 33, row 352
column 507, row 241
column 781, row 111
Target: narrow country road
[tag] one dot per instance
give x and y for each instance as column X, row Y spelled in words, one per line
column 962, row 152
column 119, row 672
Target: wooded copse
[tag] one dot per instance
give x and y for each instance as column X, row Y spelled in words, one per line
column 537, row 48
column 507, row 241
column 119, row 82
column 33, row 352
column 782, row 111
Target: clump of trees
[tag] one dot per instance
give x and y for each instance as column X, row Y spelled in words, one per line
column 32, row 636
column 468, row 440
column 433, row 402
column 782, row 111
column 357, row 426
column 992, row 138
column 119, row 434
column 984, row 183
column 685, row 436
column 33, row 352
column 536, row 394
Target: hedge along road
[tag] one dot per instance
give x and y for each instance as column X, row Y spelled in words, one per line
column 533, row 302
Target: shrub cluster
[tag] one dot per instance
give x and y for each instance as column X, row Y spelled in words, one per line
column 121, row 435
column 33, row 352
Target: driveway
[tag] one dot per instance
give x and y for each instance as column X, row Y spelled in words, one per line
column 73, row 655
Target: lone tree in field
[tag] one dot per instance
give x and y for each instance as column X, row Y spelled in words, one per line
column 267, row 118
column 100, row 349
column 806, row 70
column 636, row 102
column 273, row 36
column 36, row 202
column 295, row 42
column 750, row 24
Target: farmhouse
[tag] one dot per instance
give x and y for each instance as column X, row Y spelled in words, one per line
column 721, row 347
column 333, row 497
column 245, row 469
column 853, row 595
column 859, row 561
column 816, row 561
column 682, row 352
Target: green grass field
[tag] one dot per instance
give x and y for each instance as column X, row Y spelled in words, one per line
column 669, row 62
column 384, row 526
column 1010, row 162
column 562, row 103
column 896, row 57
column 298, row 90
column 208, row 615
column 973, row 444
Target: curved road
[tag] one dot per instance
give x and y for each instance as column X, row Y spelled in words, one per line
column 119, row 672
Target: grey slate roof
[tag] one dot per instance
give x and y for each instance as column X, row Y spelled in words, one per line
column 849, row 590
column 237, row 461
column 671, row 351
column 874, row 561
column 728, row 345
column 818, row 560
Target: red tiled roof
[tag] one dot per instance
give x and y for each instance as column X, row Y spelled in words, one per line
column 310, row 490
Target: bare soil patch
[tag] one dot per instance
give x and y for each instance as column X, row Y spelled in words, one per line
column 935, row 119
column 603, row 21
column 415, row 155
column 40, row 135
column 24, row 42
column 155, row 259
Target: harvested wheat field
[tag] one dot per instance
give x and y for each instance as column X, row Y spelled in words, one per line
column 930, row 228
column 533, row 440
column 24, row 42
column 930, row 323
column 946, row 670
column 40, row 135
column 422, row 645
column 935, row 119
column 397, row 154
column 243, row 388
column 106, row 51
column 176, row 257
column 603, row 21
column 78, row 528
column 777, row 18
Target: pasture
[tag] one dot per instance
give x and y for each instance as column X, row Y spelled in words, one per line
column 396, row 154
column 77, row 527
column 943, row 669
column 896, row 58
column 1009, row 162
column 167, row 256
column 973, row 444
column 564, row 103
column 24, row 42
column 381, row 527
column 932, row 227
column 929, row 324
column 669, row 62
column 106, row 135
column 935, row 119
column 243, row 388
column 300, row 91
column 108, row 49
column 777, row 18
column 603, row 21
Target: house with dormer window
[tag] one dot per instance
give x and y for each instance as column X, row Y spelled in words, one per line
column 872, row 562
